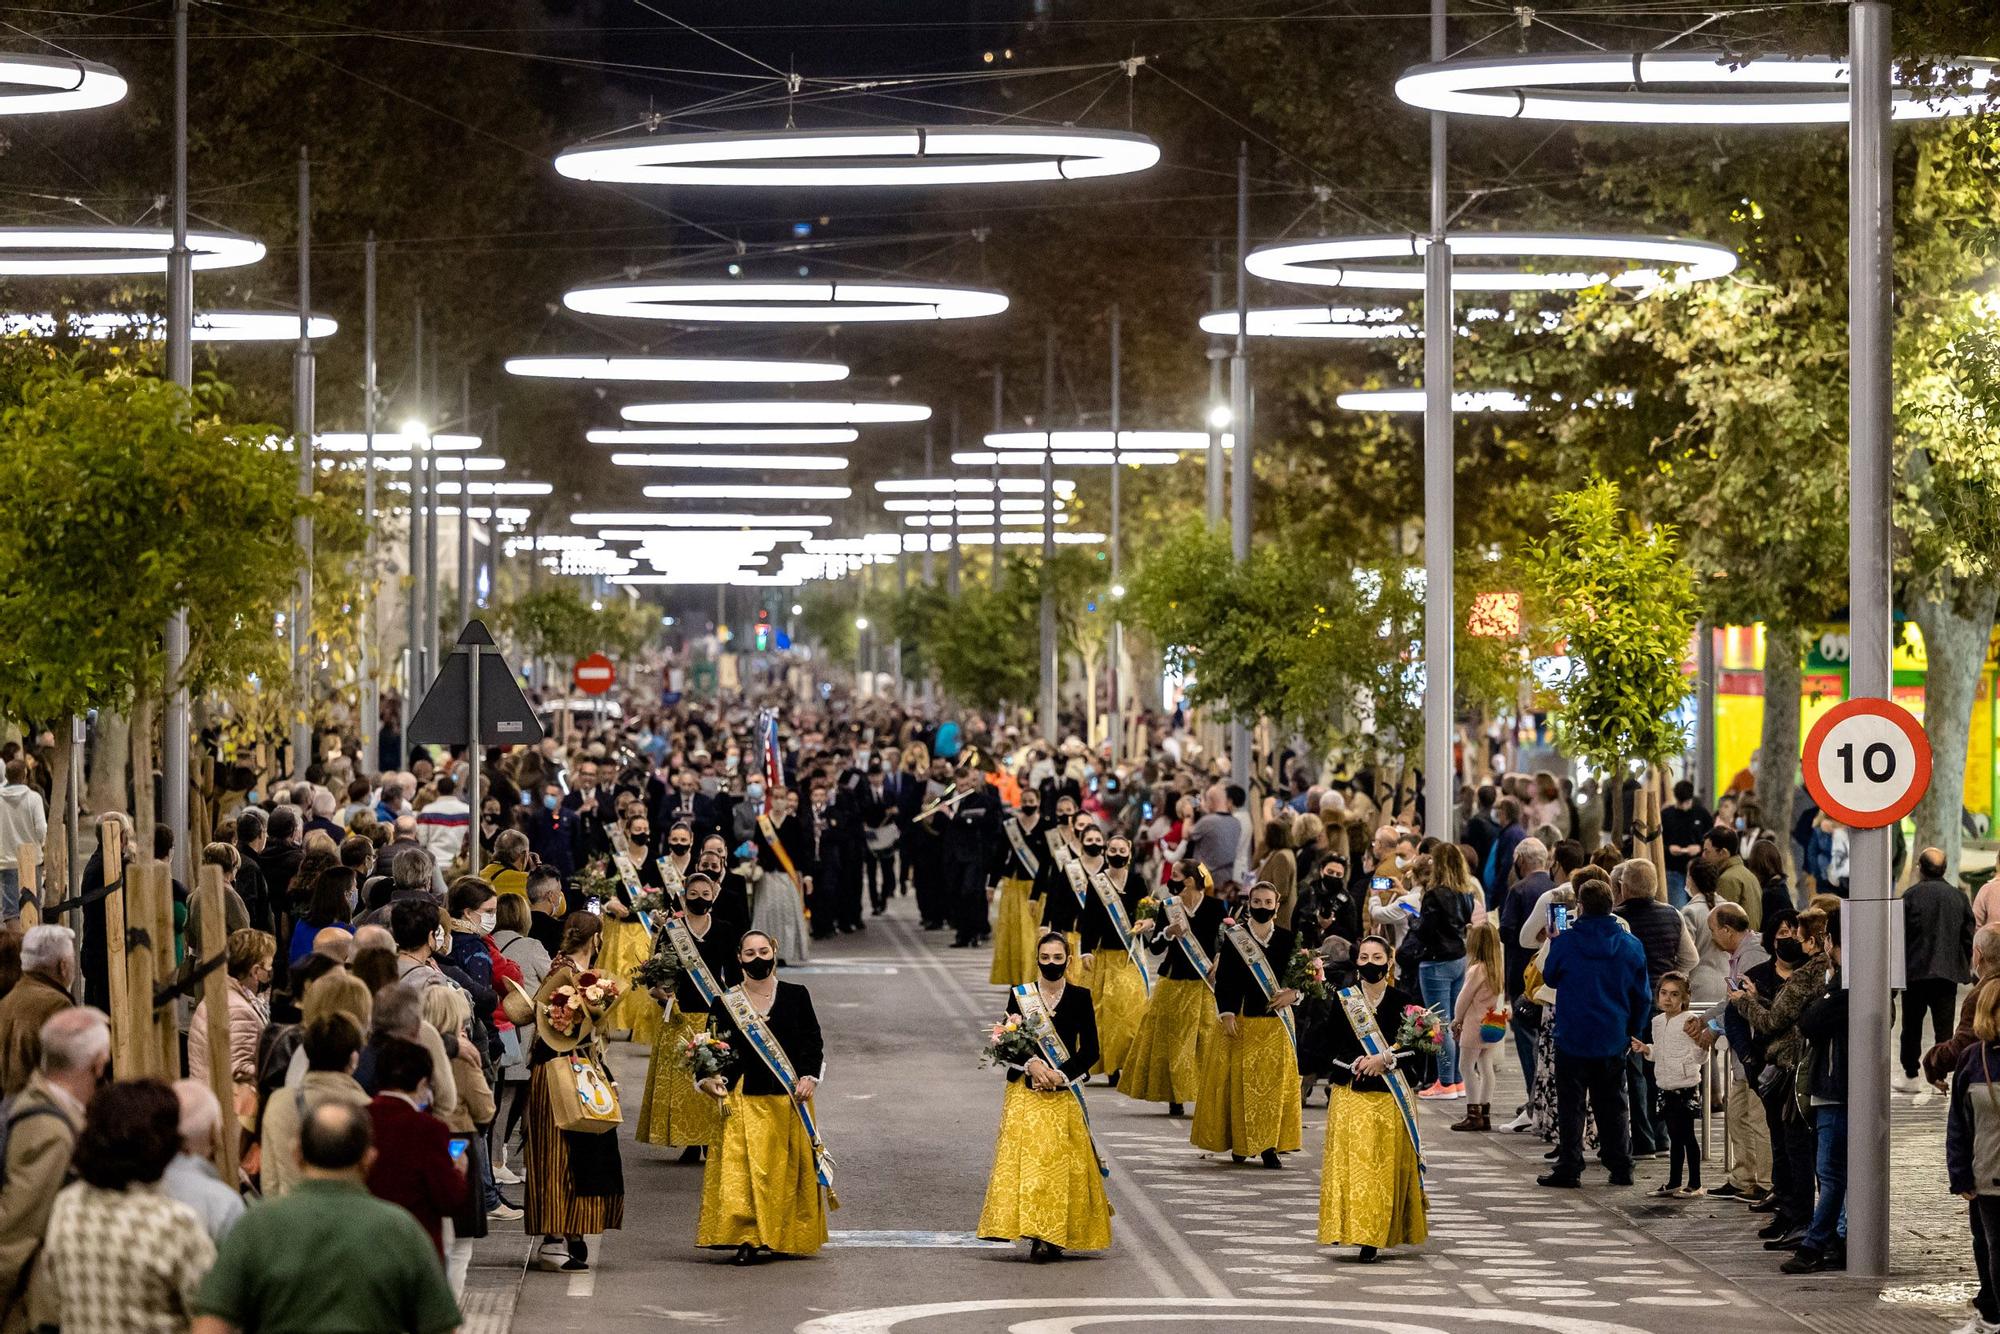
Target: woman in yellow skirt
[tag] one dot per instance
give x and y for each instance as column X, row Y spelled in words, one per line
column 1249, row 1103
column 1046, row 1186
column 1371, row 1191
column 1164, row 1064
column 674, row 1113
column 1018, row 925
column 761, row 1190
column 1117, row 987
column 627, row 944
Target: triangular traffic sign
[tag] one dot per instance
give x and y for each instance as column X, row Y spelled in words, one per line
column 505, row 716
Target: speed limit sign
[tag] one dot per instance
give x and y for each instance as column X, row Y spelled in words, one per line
column 1867, row 762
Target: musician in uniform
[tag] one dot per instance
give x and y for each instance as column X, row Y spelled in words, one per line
column 1047, row 1185
column 761, row 1191
column 1371, row 1191
column 674, row 1113
column 970, row 825
column 1164, row 1064
column 1249, row 1102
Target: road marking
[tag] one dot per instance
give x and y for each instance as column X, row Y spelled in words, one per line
column 860, row 1239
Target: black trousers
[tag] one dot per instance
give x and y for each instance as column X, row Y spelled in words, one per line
column 933, row 893
column 1598, row 1081
column 1677, row 1109
column 881, row 871
column 1933, row 996
column 968, row 902
column 853, row 857
column 1793, row 1162
column 1642, row 1095
column 1985, row 1217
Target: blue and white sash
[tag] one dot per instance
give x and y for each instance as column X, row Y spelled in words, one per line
column 1196, row 955
column 1022, row 852
column 1079, row 883
column 1114, row 908
column 1361, row 1017
column 1041, row 1026
column 758, row 1034
column 1261, row 972
column 693, row 966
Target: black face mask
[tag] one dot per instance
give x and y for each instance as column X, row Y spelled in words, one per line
column 1791, row 951
column 1262, row 914
column 641, row 835
column 1031, row 810
column 759, row 969
column 1052, row 971
column 1093, row 849
column 1333, row 883
column 1117, row 859
column 699, row 907
column 1371, row 972
column 680, row 849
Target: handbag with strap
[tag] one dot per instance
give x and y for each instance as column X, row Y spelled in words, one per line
column 582, row 1097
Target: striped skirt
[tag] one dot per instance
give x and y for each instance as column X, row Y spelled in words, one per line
column 575, row 1182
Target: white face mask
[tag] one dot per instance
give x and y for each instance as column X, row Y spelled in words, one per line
column 486, row 920
column 440, row 941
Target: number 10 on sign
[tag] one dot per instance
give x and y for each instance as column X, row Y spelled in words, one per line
column 1867, row 763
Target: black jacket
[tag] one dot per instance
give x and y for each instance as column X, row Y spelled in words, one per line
column 1441, row 922
column 1937, row 933
column 718, row 951
column 1097, row 932
column 1236, row 991
column 1824, row 1025
column 1204, row 922
column 796, row 1028
column 1346, row 1046
column 1076, row 1024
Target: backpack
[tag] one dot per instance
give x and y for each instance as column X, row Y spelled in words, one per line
column 12, row 1115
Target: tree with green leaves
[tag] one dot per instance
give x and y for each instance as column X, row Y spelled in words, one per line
column 1623, row 601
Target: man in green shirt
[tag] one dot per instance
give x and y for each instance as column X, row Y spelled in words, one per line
column 329, row 1258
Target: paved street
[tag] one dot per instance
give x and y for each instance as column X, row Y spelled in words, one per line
column 911, row 1115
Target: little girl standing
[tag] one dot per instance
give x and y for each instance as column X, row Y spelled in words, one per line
column 1477, row 996
column 1677, row 1060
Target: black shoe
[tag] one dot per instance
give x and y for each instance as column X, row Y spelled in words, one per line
column 1367, row 1255
column 1111, row 1080
column 1836, row 1258
column 1790, row 1241
column 1767, row 1205
column 1039, row 1251
column 1551, row 1155
column 1725, row 1191
column 579, row 1256
column 1175, row 1109
column 959, row 945
column 1777, row 1227
column 694, row 1153
column 746, row 1254
column 1237, row 1159
column 1807, row 1261
column 879, row 910
column 1558, row 1181
column 1270, row 1159
column 1621, row 1178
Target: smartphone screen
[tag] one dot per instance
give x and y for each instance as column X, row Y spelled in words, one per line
column 595, row 905
column 525, row 800
column 1381, row 882
column 460, row 1146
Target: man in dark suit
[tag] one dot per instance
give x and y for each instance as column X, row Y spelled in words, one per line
column 967, row 853
column 595, row 812
column 413, row 1163
column 554, row 833
column 880, row 805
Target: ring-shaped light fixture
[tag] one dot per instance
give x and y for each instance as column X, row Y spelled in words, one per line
column 210, row 326
column 88, row 252
column 785, row 302
column 735, row 462
column 1473, row 400
column 944, row 155
column 1345, row 261
column 714, row 436
column 776, row 412
column 1313, row 322
column 684, row 370
column 1674, row 88
column 33, row 84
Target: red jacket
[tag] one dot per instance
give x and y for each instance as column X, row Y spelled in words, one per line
column 413, row 1165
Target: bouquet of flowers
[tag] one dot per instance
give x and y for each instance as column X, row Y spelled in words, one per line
column 652, row 901
column 1147, row 910
column 589, row 996
column 597, row 881
column 705, row 1055
column 659, row 971
column 1422, row 1031
column 1305, row 973
column 1011, row 1042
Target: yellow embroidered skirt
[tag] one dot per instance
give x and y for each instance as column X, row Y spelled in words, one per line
column 1017, row 928
column 1075, row 976
column 674, row 1112
column 1370, row 1192
column 1164, row 1063
column 1249, row 1091
column 759, row 1187
column 1119, row 993
column 1045, row 1181
column 626, row 946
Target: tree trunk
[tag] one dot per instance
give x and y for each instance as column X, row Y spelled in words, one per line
column 108, row 791
column 1778, row 743
column 143, row 786
column 1957, row 628
column 58, row 795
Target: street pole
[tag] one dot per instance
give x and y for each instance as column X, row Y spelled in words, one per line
column 413, row 693
column 473, row 653
column 930, row 470
column 902, row 587
column 1704, row 713
column 1215, row 358
column 177, row 724
column 371, row 704
column 1866, row 934
column 464, row 505
column 1117, row 590
column 1239, row 427
column 1440, row 517
column 999, row 410
column 951, row 558
column 303, row 372
column 1049, row 721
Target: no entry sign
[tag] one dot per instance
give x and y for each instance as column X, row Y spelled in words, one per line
column 1867, row 763
column 594, row 674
